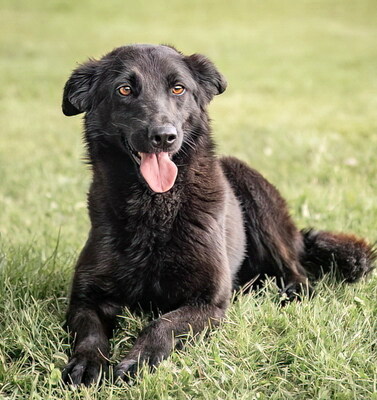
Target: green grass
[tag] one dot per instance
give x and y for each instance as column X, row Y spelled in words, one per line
column 300, row 107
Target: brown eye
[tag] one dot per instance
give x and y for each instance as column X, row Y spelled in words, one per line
column 125, row 90
column 178, row 90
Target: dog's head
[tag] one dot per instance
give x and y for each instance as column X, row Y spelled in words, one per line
column 145, row 100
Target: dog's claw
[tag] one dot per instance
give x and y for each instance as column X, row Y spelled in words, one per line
column 82, row 371
column 126, row 370
column 294, row 292
column 129, row 367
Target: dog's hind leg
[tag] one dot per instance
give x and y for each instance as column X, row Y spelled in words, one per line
column 273, row 241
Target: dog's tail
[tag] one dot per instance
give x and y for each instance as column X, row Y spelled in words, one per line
column 349, row 257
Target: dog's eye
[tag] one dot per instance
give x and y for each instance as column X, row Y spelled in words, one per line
column 178, row 90
column 125, row 90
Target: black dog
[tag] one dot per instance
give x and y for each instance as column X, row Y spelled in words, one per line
column 174, row 228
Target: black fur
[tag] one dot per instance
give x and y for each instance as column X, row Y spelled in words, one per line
column 181, row 252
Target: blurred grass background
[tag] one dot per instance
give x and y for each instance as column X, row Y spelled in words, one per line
column 300, row 107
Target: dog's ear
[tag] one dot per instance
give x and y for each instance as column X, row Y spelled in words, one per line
column 79, row 90
column 207, row 75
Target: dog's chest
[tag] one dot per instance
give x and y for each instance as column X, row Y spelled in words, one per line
column 151, row 217
column 147, row 249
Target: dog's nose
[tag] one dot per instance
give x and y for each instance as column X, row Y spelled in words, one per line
column 163, row 136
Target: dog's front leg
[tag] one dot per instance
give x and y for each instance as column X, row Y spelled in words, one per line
column 159, row 338
column 91, row 327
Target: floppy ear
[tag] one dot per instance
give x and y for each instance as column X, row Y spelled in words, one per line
column 79, row 89
column 207, row 75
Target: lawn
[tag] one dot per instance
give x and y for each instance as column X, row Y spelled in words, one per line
column 300, row 107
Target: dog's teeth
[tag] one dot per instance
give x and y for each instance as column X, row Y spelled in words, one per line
column 139, row 154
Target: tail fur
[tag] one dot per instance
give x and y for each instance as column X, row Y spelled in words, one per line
column 348, row 256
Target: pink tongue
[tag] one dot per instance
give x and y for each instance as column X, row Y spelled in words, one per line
column 158, row 170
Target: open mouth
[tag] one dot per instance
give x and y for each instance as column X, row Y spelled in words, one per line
column 157, row 169
column 136, row 156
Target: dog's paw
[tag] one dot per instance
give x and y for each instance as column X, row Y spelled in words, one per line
column 83, row 370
